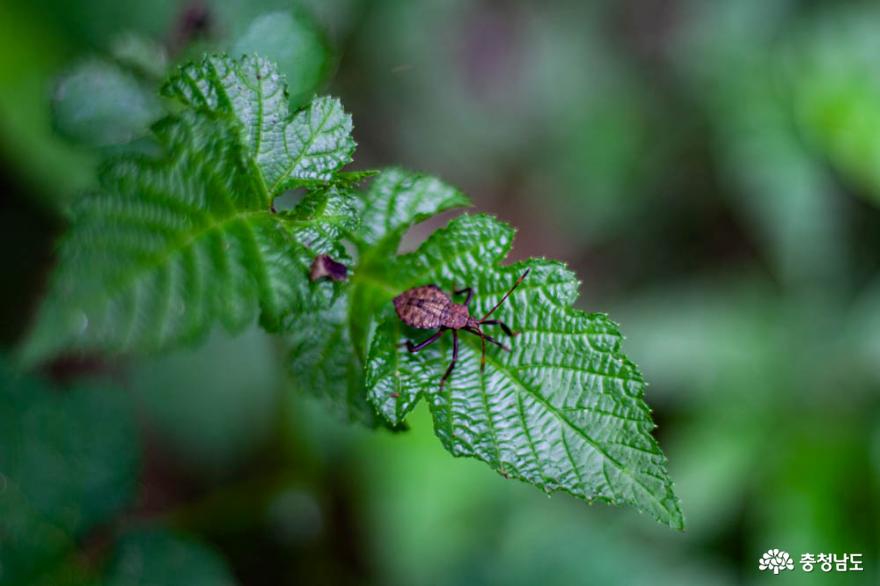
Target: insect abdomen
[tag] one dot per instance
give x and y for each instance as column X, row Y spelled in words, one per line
column 422, row 307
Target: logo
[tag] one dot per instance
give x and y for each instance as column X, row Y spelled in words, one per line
column 775, row 560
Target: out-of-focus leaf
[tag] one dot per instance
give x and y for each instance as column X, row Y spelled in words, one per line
column 68, row 462
column 94, row 23
column 31, row 54
column 863, row 333
column 564, row 410
column 711, row 336
column 521, row 83
column 601, row 552
column 782, row 189
column 67, row 472
column 834, row 73
column 141, row 54
column 837, row 461
column 294, row 43
column 321, row 360
column 31, row 544
column 238, row 376
column 158, row 558
column 100, row 104
column 175, row 242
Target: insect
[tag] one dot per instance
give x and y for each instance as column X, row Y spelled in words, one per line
column 427, row 307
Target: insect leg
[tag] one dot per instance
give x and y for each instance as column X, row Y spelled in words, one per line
column 496, row 342
column 433, row 338
column 469, row 291
column 502, row 325
column 454, row 358
column 488, row 338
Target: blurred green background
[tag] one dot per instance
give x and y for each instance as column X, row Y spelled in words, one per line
column 710, row 169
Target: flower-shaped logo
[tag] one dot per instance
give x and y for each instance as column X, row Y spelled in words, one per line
column 776, row 560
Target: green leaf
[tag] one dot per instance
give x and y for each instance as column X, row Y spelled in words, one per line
column 99, row 104
column 326, row 348
column 175, row 242
column 322, row 218
column 397, row 200
column 140, row 54
column 292, row 41
column 563, row 410
column 69, row 463
column 154, row 557
column 322, row 362
column 289, row 152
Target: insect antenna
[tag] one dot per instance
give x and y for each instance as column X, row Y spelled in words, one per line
column 506, row 295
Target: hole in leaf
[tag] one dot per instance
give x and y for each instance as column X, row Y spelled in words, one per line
column 289, row 199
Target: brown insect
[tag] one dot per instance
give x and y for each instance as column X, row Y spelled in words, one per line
column 427, row 307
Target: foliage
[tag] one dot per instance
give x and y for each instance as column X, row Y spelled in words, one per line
column 103, row 105
column 178, row 240
column 707, row 167
column 186, row 235
column 108, row 101
column 563, row 410
column 327, row 349
column 833, row 76
column 70, row 463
